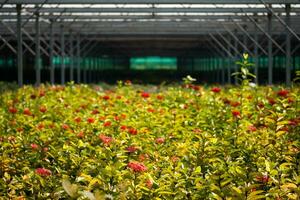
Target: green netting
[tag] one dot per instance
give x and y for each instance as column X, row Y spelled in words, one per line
column 153, row 63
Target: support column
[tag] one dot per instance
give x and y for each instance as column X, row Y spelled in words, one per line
column 256, row 55
column 78, row 59
column 270, row 50
column 71, row 58
column 229, row 59
column 245, row 41
column 235, row 57
column 37, row 50
column 51, row 57
column 20, row 47
column 288, row 45
column 62, row 55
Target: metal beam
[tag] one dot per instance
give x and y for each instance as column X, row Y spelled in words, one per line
column 15, row 35
column 288, row 46
column 51, row 57
column 62, row 43
column 270, row 50
column 37, row 50
column 256, row 55
column 251, row 38
column 153, row 1
column 267, row 34
column 20, row 48
column 7, row 44
column 288, row 28
column 78, row 59
column 124, row 10
column 71, row 57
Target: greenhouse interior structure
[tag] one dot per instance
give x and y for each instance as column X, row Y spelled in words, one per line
column 94, row 40
column 150, row 99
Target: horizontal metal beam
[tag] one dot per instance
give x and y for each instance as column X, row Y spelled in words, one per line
column 152, row 10
column 152, row 1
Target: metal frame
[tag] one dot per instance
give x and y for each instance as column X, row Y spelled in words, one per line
column 90, row 22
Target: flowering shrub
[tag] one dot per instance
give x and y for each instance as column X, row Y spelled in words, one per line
column 190, row 142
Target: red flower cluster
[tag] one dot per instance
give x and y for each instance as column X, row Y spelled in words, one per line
column 137, row 167
column 145, row 95
column 43, row 172
column 160, row 140
column 106, row 97
column 132, row 131
column 216, row 89
column 12, row 110
column 159, row 97
column 263, row 179
column 65, row 126
column 252, row 128
column 77, row 119
column 90, row 120
column 34, row 146
column 26, row 111
column 107, row 123
column 283, row 93
column 236, row 113
column 105, row 139
column 43, row 109
column 131, row 149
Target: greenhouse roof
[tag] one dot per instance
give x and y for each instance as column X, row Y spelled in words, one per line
column 148, row 17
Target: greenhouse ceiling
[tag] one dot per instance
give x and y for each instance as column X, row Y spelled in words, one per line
column 148, row 17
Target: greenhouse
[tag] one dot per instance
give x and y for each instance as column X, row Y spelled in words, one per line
column 150, row 99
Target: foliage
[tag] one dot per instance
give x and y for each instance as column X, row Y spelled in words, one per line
column 139, row 142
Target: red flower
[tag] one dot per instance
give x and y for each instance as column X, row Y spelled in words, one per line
column 43, row 172
column 132, row 131
column 80, row 134
column 26, row 111
column 94, row 112
column 43, row 109
column 151, row 110
column 12, row 110
column 263, row 179
column 123, row 127
column 77, row 119
column 271, row 101
column 90, row 120
column 131, row 149
column 159, row 97
column 235, row 104
column 42, row 93
column 137, row 167
column 145, row 95
column 107, row 123
column 149, row 183
column 34, row 146
column 105, row 139
column 106, row 97
column 41, row 126
column 236, row 113
column 160, row 140
column 252, row 128
column 216, row 89
column 283, row 93
column 65, row 126
column 116, row 118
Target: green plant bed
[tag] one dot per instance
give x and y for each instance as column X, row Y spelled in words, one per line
column 148, row 142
